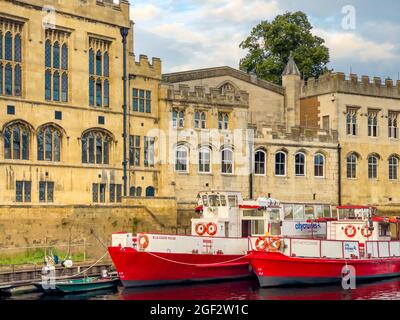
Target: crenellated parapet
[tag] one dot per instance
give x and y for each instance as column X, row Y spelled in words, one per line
column 296, row 134
column 201, row 95
column 145, row 68
column 338, row 82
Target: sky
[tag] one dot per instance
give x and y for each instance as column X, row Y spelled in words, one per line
column 363, row 35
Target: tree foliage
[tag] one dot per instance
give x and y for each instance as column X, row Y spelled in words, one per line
column 270, row 43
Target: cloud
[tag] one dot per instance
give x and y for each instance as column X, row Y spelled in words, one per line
column 350, row 45
column 145, row 12
column 188, row 34
column 241, row 10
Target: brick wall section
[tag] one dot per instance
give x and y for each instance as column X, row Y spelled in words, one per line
column 309, row 112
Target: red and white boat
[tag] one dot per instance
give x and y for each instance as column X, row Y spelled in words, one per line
column 357, row 238
column 217, row 247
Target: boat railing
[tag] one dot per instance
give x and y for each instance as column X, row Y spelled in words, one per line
column 382, row 249
column 334, row 249
column 310, row 248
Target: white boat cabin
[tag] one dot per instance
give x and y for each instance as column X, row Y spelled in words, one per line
column 226, row 214
column 360, row 223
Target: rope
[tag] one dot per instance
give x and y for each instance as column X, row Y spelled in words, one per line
column 77, row 274
column 196, row 264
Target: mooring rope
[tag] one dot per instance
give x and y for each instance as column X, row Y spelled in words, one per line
column 196, row 264
column 77, row 274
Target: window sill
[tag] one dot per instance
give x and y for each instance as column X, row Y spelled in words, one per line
column 205, row 173
column 227, row 174
column 182, row 172
column 259, row 175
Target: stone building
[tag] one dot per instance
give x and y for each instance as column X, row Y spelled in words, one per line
column 288, row 161
column 364, row 113
column 62, row 124
column 67, row 166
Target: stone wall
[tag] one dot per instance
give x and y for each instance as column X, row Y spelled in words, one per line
column 29, row 226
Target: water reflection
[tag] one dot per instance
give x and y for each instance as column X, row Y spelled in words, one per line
column 236, row 290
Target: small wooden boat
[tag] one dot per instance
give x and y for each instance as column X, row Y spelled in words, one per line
column 81, row 285
column 87, row 284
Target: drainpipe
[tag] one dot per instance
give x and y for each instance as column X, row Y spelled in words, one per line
column 251, row 141
column 339, row 151
column 124, row 34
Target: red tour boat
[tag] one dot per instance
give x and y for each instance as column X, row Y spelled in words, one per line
column 218, row 245
column 357, row 238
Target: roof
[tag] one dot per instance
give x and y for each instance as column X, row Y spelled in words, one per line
column 291, row 67
column 190, row 75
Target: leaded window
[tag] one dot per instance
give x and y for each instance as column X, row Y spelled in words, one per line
column 99, row 73
column 56, row 65
column 16, row 142
column 96, row 147
column 141, row 100
column 48, row 144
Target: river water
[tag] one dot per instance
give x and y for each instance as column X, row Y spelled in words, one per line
column 237, row 290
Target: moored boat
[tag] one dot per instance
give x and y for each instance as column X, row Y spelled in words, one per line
column 87, row 284
column 217, row 247
column 358, row 244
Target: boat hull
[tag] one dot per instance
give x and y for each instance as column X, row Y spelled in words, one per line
column 139, row 268
column 276, row 269
column 85, row 287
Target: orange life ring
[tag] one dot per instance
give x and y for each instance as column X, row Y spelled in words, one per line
column 143, row 241
column 366, row 232
column 200, row 229
column 352, row 233
column 261, row 243
column 212, row 229
column 274, row 244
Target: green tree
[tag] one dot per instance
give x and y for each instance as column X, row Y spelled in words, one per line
column 270, row 43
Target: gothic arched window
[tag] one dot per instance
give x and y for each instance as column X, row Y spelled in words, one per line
column 96, row 147
column 16, row 142
column 48, row 143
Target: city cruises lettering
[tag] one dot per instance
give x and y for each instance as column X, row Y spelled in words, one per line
column 301, row 228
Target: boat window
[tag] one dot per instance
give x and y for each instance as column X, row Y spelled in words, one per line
column 232, row 201
column 298, row 212
column 274, row 214
column 384, row 230
column 253, row 213
column 257, row 227
column 318, row 211
column 309, row 212
column 327, row 212
column 288, row 209
column 214, row 200
column 275, row 229
column 205, row 201
column 223, row 201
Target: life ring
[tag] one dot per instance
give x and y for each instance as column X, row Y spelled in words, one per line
column 200, row 229
column 212, row 229
column 143, row 241
column 274, row 244
column 261, row 243
column 366, row 232
column 350, row 231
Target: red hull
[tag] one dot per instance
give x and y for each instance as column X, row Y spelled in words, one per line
column 276, row 269
column 137, row 268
